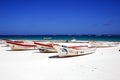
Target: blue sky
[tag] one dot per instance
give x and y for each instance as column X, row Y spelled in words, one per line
column 19, row 17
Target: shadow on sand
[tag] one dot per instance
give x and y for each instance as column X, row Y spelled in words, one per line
column 37, row 52
column 57, row 56
column 4, row 46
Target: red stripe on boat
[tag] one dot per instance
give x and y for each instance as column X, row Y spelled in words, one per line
column 79, row 47
column 23, row 44
column 47, row 45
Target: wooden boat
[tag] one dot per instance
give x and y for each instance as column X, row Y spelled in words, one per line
column 21, row 46
column 64, row 51
column 45, row 47
column 9, row 42
column 48, row 46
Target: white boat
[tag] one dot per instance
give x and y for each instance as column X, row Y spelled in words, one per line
column 48, row 46
column 45, row 47
column 22, row 46
column 78, row 41
column 73, row 51
column 9, row 42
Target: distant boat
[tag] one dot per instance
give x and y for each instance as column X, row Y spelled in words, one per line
column 78, row 41
column 47, row 38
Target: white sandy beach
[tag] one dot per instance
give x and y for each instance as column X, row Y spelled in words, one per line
column 104, row 64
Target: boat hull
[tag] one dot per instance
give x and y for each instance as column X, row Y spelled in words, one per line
column 64, row 51
column 18, row 47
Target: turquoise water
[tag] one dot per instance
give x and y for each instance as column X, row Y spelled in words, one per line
column 62, row 37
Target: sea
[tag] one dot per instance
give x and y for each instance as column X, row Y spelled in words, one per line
column 115, row 38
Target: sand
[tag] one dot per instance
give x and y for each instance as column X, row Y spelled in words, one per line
column 104, row 64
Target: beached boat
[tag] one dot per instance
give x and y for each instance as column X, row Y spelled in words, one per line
column 48, row 46
column 73, row 50
column 9, row 42
column 21, row 46
column 101, row 44
column 45, row 47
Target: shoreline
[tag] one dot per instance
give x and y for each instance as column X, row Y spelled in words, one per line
column 115, row 38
